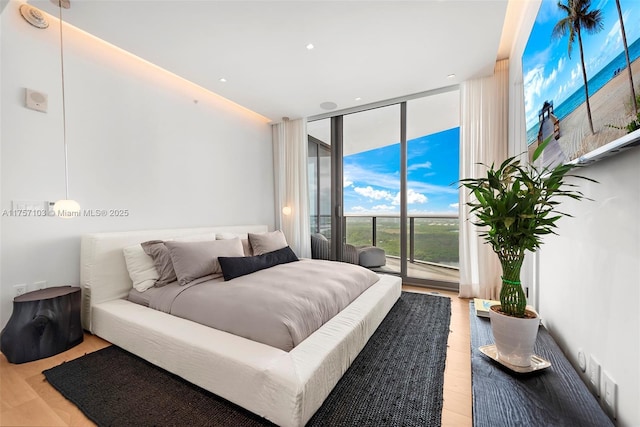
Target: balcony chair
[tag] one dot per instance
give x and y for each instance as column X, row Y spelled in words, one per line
column 366, row 256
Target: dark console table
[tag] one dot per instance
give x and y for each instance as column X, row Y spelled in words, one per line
column 555, row 396
column 43, row 323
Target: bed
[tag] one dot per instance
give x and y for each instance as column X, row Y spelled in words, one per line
column 285, row 387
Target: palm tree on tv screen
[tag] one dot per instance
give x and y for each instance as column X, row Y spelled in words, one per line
column 634, row 103
column 579, row 18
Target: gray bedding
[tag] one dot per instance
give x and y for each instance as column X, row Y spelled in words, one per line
column 279, row 306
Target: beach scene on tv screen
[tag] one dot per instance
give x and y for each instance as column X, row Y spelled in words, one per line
column 581, row 76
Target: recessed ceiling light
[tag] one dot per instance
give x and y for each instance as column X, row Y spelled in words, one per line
column 310, row 46
column 451, row 76
column 223, row 80
column 328, row 105
column 358, row 99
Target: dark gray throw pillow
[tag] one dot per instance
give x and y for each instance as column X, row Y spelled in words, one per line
column 233, row 267
column 161, row 260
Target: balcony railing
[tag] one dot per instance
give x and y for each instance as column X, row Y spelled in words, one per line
column 432, row 238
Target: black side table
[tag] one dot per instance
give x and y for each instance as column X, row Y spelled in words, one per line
column 43, row 323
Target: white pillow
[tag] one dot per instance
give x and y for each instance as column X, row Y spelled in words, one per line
column 244, row 238
column 261, row 243
column 141, row 269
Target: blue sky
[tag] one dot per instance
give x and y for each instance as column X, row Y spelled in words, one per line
column 372, row 178
column 548, row 72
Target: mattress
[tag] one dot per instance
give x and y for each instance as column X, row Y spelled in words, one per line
column 279, row 306
column 142, row 298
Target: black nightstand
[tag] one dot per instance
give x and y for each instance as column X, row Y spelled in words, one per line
column 43, row 323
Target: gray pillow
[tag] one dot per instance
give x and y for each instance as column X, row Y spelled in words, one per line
column 161, row 261
column 243, row 238
column 193, row 260
column 262, row 243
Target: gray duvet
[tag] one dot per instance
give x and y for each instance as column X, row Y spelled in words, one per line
column 279, row 306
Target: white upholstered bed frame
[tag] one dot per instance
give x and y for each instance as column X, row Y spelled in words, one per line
column 285, row 387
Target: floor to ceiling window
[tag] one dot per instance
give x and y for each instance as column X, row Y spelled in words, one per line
column 398, row 167
column 371, row 175
column 319, row 175
column 433, row 150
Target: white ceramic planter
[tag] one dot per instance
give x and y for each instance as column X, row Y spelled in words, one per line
column 514, row 337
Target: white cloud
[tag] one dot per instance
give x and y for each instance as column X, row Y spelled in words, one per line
column 358, row 209
column 383, row 208
column 346, row 182
column 391, row 180
column 554, row 74
column 576, row 73
column 412, row 198
column 574, row 82
column 371, row 193
column 415, row 197
column 533, row 84
column 425, row 165
column 360, row 174
column 551, row 79
column 613, row 42
column 454, row 205
column 425, row 187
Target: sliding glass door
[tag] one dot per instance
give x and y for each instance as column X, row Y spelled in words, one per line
column 433, row 146
column 371, row 182
column 393, row 172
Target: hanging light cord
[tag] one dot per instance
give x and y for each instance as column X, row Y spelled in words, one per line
column 64, row 113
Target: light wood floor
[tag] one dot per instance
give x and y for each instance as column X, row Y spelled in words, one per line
column 456, row 408
column 26, row 399
column 422, row 270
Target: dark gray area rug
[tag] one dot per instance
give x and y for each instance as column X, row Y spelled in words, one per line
column 396, row 380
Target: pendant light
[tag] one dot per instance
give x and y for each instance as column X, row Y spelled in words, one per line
column 64, row 208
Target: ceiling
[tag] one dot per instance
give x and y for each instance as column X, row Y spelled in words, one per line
column 364, row 51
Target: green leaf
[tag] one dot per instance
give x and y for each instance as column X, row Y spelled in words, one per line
column 539, row 150
column 508, row 222
column 516, row 204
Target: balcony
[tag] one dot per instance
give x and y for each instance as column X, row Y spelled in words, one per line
column 432, row 243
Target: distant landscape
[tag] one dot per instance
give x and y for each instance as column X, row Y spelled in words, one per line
column 436, row 239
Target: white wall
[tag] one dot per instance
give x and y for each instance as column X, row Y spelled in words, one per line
column 137, row 139
column 517, row 132
column 590, row 277
column 588, row 284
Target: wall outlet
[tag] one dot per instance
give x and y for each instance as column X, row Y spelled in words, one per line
column 29, row 207
column 609, row 394
column 593, row 371
column 40, row 285
column 582, row 360
column 19, row 290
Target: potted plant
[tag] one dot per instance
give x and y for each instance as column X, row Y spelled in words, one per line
column 516, row 204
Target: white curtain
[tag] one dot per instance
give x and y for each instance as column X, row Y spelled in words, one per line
column 291, row 189
column 483, row 138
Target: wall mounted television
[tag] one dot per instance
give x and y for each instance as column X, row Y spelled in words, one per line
column 556, row 105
